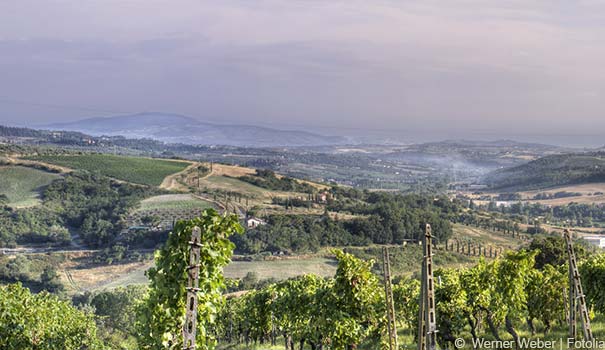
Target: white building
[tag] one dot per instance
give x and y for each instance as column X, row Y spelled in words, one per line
column 253, row 222
column 599, row 241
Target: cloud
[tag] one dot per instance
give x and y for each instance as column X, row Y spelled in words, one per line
column 513, row 65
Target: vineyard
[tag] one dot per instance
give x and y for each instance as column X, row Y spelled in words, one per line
column 507, row 298
column 162, row 211
column 145, row 171
column 511, row 297
column 22, row 185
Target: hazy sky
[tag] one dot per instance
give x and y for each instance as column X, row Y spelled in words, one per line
column 519, row 66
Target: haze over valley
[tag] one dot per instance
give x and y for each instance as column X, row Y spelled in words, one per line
column 302, row 174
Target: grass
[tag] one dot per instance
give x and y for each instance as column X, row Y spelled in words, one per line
column 484, row 237
column 230, row 184
column 78, row 273
column 22, row 185
column 137, row 170
column 279, row 269
column 405, row 261
column 134, row 277
column 282, row 269
column 174, row 201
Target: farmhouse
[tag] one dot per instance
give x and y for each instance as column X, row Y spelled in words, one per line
column 253, row 222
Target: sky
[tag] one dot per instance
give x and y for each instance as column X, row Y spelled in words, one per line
column 460, row 67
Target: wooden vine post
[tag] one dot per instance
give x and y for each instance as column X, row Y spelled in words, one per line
column 576, row 300
column 427, row 323
column 193, row 273
column 388, row 291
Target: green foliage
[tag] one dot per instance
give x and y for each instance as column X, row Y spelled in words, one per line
column 295, row 233
column 355, row 305
column 406, row 294
column 592, row 271
column 514, row 272
column 498, row 291
column 551, row 171
column 545, row 299
column 144, row 171
column 451, row 304
column 116, row 307
column 381, row 218
column 32, row 225
column 391, row 218
column 42, row 321
column 49, row 280
column 161, row 314
column 20, row 186
column 36, row 272
column 94, row 204
column 552, row 250
column 267, row 179
column 340, row 313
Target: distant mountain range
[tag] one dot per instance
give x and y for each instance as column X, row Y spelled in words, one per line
column 175, row 128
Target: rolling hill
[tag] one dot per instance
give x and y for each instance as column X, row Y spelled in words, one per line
column 173, row 128
column 550, row 171
column 144, row 171
column 21, row 185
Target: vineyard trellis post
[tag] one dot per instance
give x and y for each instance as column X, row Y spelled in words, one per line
column 390, row 305
column 193, row 274
column 577, row 300
column 427, row 323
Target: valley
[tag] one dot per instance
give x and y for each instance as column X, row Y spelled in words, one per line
column 92, row 214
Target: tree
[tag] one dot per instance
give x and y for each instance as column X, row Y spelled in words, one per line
column 116, row 307
column 162, row 312
column 49, row 280
column 552, row 250
column 43, row 322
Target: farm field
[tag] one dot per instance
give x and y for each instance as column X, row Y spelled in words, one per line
column 282, row 269
column 590, row 193
column 135, row 276
column 173, row 201
column 144, row 171
column 22, row 185
column 484, row 237
column 123, row 275
column 231, row 184
column 78, row 275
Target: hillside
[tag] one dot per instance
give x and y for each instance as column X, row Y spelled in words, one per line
column 22, row 185
column 137, row 170
column 182, row 129
column 550, row 171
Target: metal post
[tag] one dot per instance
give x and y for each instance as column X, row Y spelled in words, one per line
column 193, row 273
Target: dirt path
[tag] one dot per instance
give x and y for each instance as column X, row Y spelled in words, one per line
column 171, row 183
column 19, row 161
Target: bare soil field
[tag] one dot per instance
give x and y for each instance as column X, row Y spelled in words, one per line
column 591, row 193
column 77, row 276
